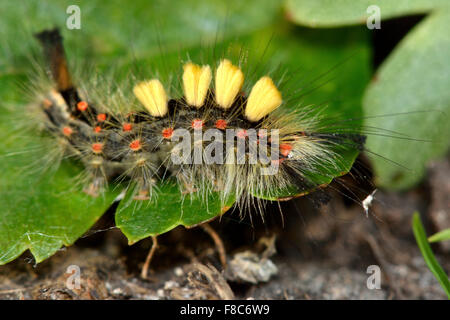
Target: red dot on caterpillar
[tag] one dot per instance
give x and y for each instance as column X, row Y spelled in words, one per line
column 221, row 124
column 127, row 127
column 167, row 133
column 97, row 129
column 97, row 147
column 242, row 133
column 285, row 149
column 101, row 117
column 197, row 124
column 135, row 145
column 82, row 106
column 67, row 131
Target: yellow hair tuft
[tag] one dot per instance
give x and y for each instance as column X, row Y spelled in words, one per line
column 229, row 81
column 196, row 80
column 263, row 99
column 153, row 96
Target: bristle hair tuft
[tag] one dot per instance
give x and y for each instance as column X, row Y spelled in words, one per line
column 153, row 96
column 229, row 81
column 263, row 99
column 196, row 81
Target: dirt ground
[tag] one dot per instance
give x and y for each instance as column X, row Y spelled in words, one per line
column 321, row 253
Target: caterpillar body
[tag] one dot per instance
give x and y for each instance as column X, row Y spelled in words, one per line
column 139, row 146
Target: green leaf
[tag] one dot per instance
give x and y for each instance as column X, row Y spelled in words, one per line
column 41, row 210
column 168, row 209
column 428, row 255
column 333, row 13
column 414, row 81
column 443, row 235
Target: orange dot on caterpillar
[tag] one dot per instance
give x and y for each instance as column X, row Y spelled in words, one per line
column 127, row 127
column 197, row 124
column 82, row 106
column 101, row 117
column 135, row 145
column 67, row 131
column 167, row 133
column 97, row 147
column 221, row 124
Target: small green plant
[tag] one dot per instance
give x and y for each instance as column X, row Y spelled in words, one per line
column 443, row 235
column 427, row 253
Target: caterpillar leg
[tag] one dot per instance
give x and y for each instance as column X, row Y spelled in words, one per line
column 217, row 241
column 149, row 257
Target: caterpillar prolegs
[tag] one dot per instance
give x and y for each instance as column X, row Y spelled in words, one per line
column 213, row 138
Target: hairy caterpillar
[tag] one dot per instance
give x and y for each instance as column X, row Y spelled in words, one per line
column 138, row 145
